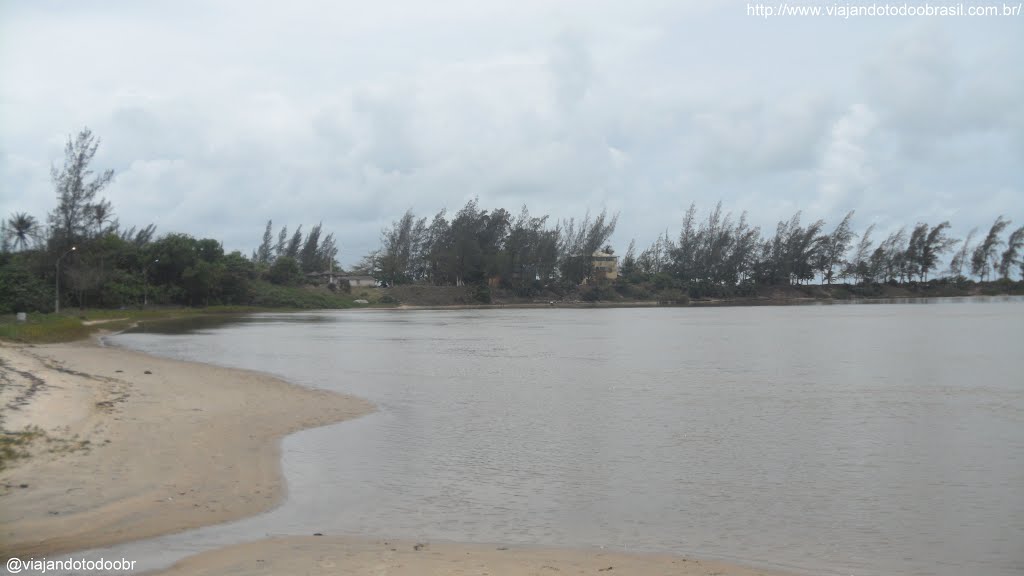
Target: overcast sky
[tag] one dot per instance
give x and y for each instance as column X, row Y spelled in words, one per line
column 217, row 116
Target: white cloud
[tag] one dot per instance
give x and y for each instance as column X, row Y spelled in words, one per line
column 846, row 167
column 218, row 116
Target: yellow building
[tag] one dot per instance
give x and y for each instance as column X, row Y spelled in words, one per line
column 605, row 265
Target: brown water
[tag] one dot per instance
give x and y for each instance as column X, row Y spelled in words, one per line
column 862, row 439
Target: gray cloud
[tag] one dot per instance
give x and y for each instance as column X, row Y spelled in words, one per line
column 220, row 116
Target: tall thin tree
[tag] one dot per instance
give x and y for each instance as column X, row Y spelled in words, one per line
column 985, row 256
column 834, row 247
column 264, row 254
column 77, row 186
column 962, row 256
column 1011, row 256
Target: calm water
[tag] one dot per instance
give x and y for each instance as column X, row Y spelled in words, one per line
column 867, row 439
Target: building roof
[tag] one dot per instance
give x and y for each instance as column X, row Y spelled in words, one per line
column 340, row 276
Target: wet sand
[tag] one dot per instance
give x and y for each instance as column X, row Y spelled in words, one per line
column 314, row 556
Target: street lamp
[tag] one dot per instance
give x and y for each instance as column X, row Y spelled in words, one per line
column 56, row 304
column 145, row 282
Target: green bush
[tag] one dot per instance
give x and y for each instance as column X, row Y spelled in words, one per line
column 23, row 291
column 524, row 288
column 1001, row 286
column 482, row 294
column 872, row 290
column 706, row 289
column 747, row 288
column 602, row 292
column 272, row 296
column 285, row 271
column 625, row 289
column 663, row 281
column 673, row 296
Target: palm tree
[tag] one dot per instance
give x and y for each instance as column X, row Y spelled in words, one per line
column 101, row 214
column 21, row 228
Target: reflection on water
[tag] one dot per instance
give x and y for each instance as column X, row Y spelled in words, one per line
column 884, row 439
column 199, row 324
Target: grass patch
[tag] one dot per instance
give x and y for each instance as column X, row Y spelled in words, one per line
column 44, row 328
column 267, row 295
column 49, row 328
column 14, row 445
column 76, row 324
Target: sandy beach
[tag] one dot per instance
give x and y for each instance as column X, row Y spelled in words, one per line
column 129, row 446
column 137, row 446
column 327, row 555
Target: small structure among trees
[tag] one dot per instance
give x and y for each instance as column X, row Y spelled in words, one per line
column 605, row 264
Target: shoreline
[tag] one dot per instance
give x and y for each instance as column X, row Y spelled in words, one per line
column 132, row 446
column 631, row 294
column 128, row 446
column 90, row 324
column 330, row 555
column 704, row 303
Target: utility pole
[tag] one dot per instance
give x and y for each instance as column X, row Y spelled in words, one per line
column 145, row 283
column 56, row 301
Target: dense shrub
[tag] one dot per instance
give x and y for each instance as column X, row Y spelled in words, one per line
column 663, row 281
column 872, row 290
column 23, row 291
column 285, row 271
column 525, row 289
column 602, row 292
column 673, row 296
column 1002, row 286
column 482, row 294
column 273, row 296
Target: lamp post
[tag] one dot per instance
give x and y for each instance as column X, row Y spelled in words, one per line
column 56, row 302
column 145, row 282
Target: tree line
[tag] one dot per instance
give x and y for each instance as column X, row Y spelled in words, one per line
column 477, row 246
column 102, row 263
column 719, row 253
column 292, row 255
column 721, row 250
column 105, row 264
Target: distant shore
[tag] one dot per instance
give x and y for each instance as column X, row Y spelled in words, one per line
column 705, row 303
column 626, row 295
column 122, row 446
column 77, row 324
